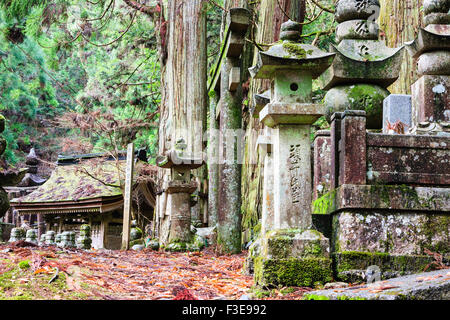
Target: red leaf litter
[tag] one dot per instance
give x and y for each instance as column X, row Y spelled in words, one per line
column 135, row 275
column 181, row 293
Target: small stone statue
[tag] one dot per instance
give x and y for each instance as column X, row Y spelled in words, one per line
column 58, row 240
column 17, row 234
column 67, row 239
column 31, row 236
column 42, row 240
column 50, row 238
column 84, row 241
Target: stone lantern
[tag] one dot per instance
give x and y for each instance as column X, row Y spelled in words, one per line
column 289, row 243
column 364, row 66
column 431, row 48
column 179, row 189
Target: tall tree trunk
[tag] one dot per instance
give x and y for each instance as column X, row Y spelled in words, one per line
column 272, row 14
column 400, row 20
column 183, row 85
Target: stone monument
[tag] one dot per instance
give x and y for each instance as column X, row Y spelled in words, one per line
column 31, row 236
column 178, row 194
column 364, row 67
column 291, row 253
column 431, row 48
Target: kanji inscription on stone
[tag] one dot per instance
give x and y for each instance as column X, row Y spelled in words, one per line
column 295, row 161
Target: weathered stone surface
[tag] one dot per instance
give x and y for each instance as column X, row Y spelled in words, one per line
column 238, row 20
column 397, row 107
column 17, row 234
column 357, row 9
column 357, row 29
column 292, row 87
column 299, row 272
column 31, row 236
column 357, row 97
column 178, row 206
column 434, row 63
column 431, row 6
column 442, row 29
column 391, row 232
column 322, row 159
column 352, row 148
column 408, row 159
column 293, row 243
column 234, row 79
column 427, row 41
column 436, row 18
column 290, row 56
column 275, row 114
column 268, row 200
column 431, row 99
column 351, row 70
column 383, row 197
column 423, row 286
column 292, row 177
column 261, row 100
column 174, row 186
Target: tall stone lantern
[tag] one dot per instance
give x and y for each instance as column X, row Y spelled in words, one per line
column 431, row 92
column 291, row 253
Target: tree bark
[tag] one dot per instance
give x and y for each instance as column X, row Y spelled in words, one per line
column 183, row 85
column 400, row 21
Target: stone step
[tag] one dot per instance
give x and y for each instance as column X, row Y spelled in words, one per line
column 433, row 285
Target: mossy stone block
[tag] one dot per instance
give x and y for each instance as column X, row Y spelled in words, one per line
column 298, row 272
column 352, row 265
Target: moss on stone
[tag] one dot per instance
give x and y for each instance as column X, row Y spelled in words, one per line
column 295, row 50
column 356, row 260
column 292, row 272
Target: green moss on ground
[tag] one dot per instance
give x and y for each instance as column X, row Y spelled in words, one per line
column 21, row 284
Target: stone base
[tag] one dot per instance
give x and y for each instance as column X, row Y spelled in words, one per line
column 394, row 232
column 355, row 267
column 284, row 244
column 293, row 258
column 395, row 242
column 298, row 272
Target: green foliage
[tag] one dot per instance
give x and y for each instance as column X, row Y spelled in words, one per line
column 24, row 264
column 70, row 60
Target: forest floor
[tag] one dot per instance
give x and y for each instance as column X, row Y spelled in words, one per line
column 52, row 273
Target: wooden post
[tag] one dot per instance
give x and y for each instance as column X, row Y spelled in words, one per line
column 127, row 198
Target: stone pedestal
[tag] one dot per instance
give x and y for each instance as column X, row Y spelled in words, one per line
column 179, row 209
